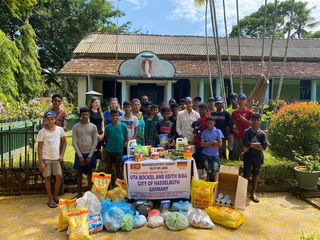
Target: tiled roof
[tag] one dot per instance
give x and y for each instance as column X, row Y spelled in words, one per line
column 196, row 67
column 101, row 44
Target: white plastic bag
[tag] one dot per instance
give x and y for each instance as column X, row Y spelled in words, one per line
column 90, row 201
column 155, row 221
column 199, row 218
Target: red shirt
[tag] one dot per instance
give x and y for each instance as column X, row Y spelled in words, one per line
column 197, row 139
column 241, row 126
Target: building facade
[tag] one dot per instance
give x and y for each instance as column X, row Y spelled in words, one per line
column 128, row 66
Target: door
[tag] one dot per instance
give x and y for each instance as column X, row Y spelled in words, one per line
column 155, row 93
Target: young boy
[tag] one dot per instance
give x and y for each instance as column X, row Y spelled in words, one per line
column 49, row 140
column 165, row 126
column 173, row 118
column 255, row 141
column 211, row 141
column 84, row 142
column 150, row 126
column 116, row 136
column 129, row 120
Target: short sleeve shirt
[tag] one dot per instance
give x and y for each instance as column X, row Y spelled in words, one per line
column 163, row 127
column 107, row 116
column 116, row 135
column 241, row 126
column 210, row 136
column 131, row 123
column 51, row 142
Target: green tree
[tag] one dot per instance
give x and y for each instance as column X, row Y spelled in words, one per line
column 315, row 34
column 252, row 25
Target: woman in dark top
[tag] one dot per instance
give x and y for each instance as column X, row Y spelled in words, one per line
column 96, row 117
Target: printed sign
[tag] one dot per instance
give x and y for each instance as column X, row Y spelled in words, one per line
column 160, row 179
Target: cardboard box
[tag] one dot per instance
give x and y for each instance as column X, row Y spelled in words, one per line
column 230, row 183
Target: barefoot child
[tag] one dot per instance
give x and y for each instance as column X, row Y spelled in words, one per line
column 84, row 142
column 49, row 140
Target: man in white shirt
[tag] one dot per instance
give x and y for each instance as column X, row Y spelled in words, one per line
column 185, row 119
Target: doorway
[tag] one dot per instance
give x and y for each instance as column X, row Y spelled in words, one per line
column 155, row 93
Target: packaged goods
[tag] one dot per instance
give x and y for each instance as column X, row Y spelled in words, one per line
column 112, row 219
column 155, row 155
column 226, row 216
column 124, row 206
column 187, row 155
column 139, row 220
column 65, row 205
column 163, row 139
column 199, row 218
column 165, row 205
column 78, row 224
column 202, row 194
column 181, row 206
column 127, row 223
column 100, row 185
column 143, row 150
column 155, row 221
column 153, row 212
column 176, row 221
column 119, row 192
column 95, row 224
column 132, row 145
column 90, row 201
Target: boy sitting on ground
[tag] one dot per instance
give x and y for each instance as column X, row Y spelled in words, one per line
column 84, row 142
column 255, row 141
column 49, row 140
column 211, row 141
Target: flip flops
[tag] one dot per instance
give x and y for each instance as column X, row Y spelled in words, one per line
column 255, row 199
column 52, row 204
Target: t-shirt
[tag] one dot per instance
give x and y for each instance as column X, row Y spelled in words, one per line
column 131, row 123
column 163, row 127
column 241, row 126
column 209, row 136
column 197, row 139
column 222, row 121
column 96, row 119
column 230, row 110
column 150, row 128
column 61, row 117
column 116, row 136
column 51, row 142
column 84, row 138
column 251, row 137
column 107, row 117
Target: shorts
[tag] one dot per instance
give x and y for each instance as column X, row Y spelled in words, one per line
column 115, row 158
column 211, row 164
column 52, row 167
column 85, row 169
column 251, row 165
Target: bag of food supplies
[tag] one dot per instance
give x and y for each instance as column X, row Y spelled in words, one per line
column 127, row 223
column 78, row 224
column 90, row 201
column 176, row 221
column 202, row 193
column 199, row 218
column 100, row 184
column 155, row 221
column 226, row 216
column 119, row 192
column 65, row 205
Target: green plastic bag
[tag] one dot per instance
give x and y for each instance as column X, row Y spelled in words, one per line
column 176, row 221
column 127, row 223
column 141, row 150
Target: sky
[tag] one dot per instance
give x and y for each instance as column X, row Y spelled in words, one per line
column 181, row 17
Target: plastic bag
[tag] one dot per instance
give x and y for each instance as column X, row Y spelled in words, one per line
column 124, row 206
column 141, row 150
column 181, row 206
column 95, row 224
column 127, row 223
column 78, row 224
column 65, row 205
column 112, row 219
column 119, row 192
column 199, row 218
column 139, row 220
column 155, row 221
column 165, row 214
column 176, row 221
column 100, row 185
column 90, row 201
column 153, row 212
column 202, row 193
column 225, row 216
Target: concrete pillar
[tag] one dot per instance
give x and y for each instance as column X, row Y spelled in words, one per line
column 201, row 89
column 218, row 89
column 124, row 93
column 89, row 83
column 168, row 91
column 266, row 98
column 313, row 90
column 82, row 89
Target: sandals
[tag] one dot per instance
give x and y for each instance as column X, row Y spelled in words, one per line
column 255, row 199
column 52, row 204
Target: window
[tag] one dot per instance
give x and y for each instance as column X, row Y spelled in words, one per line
column 305, row 89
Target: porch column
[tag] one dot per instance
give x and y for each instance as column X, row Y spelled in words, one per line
column 168, row 91
column 313, row 90
column 266, row 97
column 218, row 90
column 201, row 89
column 89, row 83
column 124, row 94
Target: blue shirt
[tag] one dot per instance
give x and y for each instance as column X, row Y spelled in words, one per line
column 210, row 136
column 107, row 117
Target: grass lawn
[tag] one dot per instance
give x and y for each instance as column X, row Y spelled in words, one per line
column 69, row 155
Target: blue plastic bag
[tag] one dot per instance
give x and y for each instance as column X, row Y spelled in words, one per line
column 139, row 220
column 124, row 206
column 181, row 206
column 112, row 219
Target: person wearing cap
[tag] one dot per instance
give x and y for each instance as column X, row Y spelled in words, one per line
column 49, row 139
column 255, row 142
column 233, row 98
column 222, row 118
column 185, row 119
column 196, row 102
column 241, row 120
column 211, row 106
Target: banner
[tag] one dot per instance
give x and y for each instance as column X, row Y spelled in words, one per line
column 159, row 179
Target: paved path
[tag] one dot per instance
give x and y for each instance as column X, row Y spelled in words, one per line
column 277, row 216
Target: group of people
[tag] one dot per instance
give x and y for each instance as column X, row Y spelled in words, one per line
column 105, row 135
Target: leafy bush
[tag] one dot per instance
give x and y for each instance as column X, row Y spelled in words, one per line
column 70, row 175
column 295, row 128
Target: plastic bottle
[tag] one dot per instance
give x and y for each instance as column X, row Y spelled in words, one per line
column 131, row 146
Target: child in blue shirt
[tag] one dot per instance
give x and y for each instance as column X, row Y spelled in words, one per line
column 211, row 141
